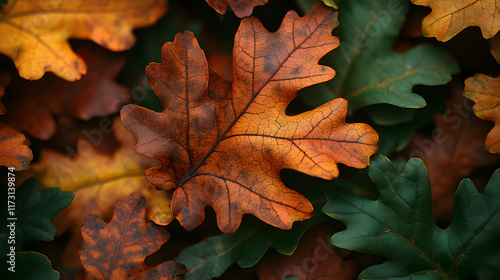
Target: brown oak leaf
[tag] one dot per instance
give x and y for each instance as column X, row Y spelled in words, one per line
column 223, row 144
column 448, row 18
column 314, row 259
column 32, row 105
column 495, row 47
column 99, row 181
column 117, row 250
column 455, row 150
column 485, row 92
column 35, row 33
column 241, row 8
column 13, row 151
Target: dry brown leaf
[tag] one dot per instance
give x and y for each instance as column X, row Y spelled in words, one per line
column 98, row 181
column 35, row 33
column 455, row 150
column 224, row 146
column 241, row 8
column 13, row 151
column 32, row 105
column 118, row 250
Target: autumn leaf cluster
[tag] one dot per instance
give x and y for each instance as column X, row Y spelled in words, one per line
column 305, row 139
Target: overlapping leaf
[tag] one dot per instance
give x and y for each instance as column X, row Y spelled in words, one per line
column 485, row 92
column 369, row 71
column 29, row 265
column 241, row 8
column 399, row 226
column 13, row 151
column 117, row 250
column 31, row 106
column 223, row 145
column 211, row 257
column 35, row 33
column 448, row 18
column 455, row 150
column 99, row 181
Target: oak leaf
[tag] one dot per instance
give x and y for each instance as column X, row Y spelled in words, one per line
column 241, row 8
column 223, row 145
column 13, row 151
column 399, row 226
column 32, row 105
column 455, row 150
column 485, row 92
column 99, row 181
column 35, row 33
column 117, row 250
column 315, row 259
column 448, row 18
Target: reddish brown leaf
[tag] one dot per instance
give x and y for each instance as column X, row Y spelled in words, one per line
column 225, row 148
column 32, row 104
column 117, row 250
column 99, row 181
column 455, row 150
column 314, row 259
column 485, row 92
column 13, row 152
column 241, row 8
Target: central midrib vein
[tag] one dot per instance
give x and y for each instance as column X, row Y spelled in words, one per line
column 222, row 137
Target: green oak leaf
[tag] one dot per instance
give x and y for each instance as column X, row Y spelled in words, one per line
column 399, row 225
column 34, row 211
column 368, row 70
column 211, row 257
column 29, row 266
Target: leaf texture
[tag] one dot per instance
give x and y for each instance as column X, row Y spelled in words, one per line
column 241, row 8
column 399, row 226
column 35, row 33
column 13, row 151
column 223, row 145
column 485, row 92
column 117, row 250
column 448, row 18
column 33, row 105
column 98, row 182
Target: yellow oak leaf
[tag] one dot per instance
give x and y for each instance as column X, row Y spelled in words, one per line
column 99, row 181
column 448, row 18
column 35, row 33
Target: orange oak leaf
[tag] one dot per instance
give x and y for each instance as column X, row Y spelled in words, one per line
column 314, row 259
column 223, row 144
column 117, row 250
column 99, row 181
column 32, row 105
column 485, row 92
column 13, row 151
column 448, row 18
column 241, row 8
column 455, row 150
column 35, row 33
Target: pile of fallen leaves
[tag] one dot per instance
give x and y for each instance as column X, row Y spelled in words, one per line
column 306, row 139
